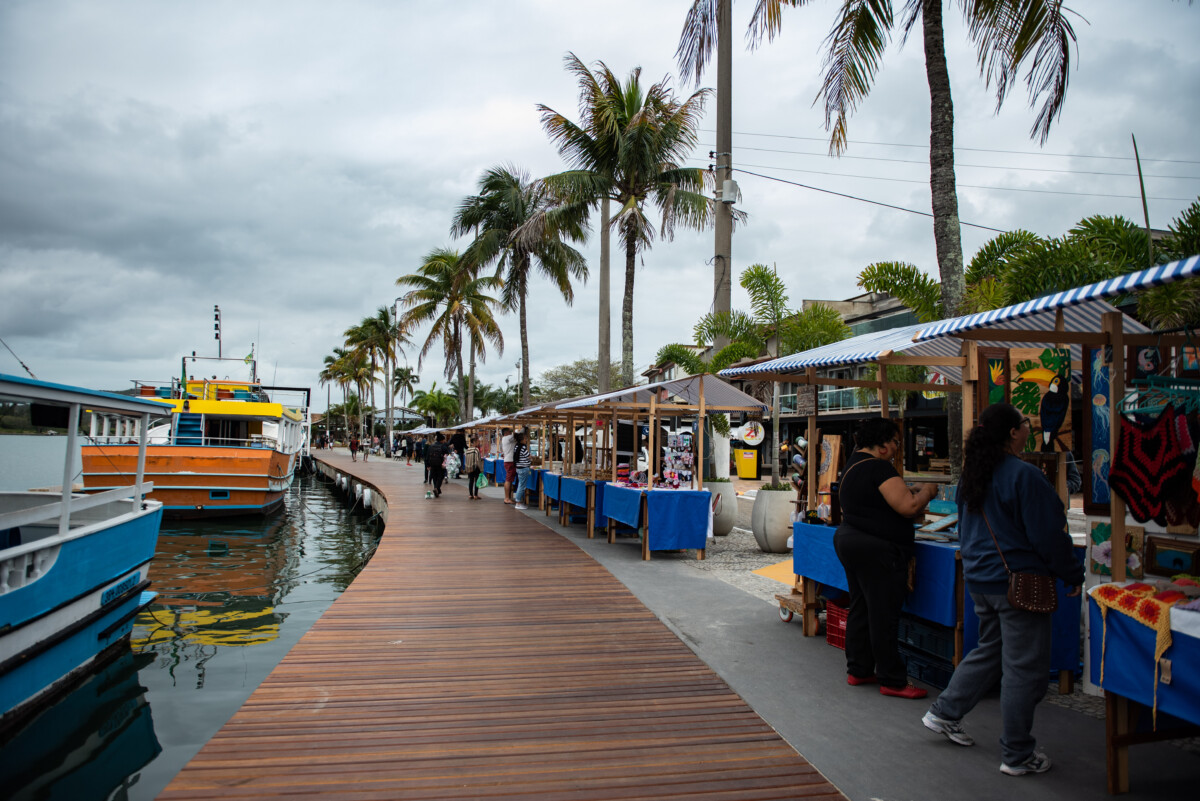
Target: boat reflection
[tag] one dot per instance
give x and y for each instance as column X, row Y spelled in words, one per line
column 91, row 744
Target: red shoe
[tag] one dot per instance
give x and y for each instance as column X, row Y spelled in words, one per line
column 903, row 692
column 854, row 681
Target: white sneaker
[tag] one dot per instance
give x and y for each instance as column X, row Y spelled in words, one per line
column 1036, row 763
column 952, row 729
column 521, row 506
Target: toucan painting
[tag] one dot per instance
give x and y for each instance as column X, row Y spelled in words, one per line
column 1055, row 405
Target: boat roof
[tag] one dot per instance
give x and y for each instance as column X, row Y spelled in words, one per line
column 232, row 408
column 32, row 389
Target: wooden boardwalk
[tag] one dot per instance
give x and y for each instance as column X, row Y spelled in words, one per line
column 480, row 655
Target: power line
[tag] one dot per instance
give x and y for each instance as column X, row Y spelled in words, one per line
column 956, row 147
column 862, row 199
column 961, row 185
column 972, row 166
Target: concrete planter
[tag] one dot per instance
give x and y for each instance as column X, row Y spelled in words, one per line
column 726, row 514
column 771, row 519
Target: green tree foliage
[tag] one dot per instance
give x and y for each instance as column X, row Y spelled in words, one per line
column 580, row 377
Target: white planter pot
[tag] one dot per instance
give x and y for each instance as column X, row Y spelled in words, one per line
column 720, row 449
column 726, row 514
column 771, row 519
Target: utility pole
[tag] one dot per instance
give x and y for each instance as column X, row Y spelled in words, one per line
column 722, row 257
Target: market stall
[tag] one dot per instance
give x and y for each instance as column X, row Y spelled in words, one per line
column 673, row 466
column 1005, row 355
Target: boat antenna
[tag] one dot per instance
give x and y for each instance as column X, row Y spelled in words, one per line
column 18, row 358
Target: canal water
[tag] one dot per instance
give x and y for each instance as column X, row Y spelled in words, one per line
column 233, row 597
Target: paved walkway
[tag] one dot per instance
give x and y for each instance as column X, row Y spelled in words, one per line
column 868, row 746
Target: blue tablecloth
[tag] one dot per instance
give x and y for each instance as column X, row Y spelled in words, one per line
column 623, row 504
column 1129, row 664
column 934, row 599
column 678, row 518
column 550, row 485
column 573, row 491
column 489, row 467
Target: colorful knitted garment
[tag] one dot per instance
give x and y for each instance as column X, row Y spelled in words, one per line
column 1151, row 463
column 1148, row 607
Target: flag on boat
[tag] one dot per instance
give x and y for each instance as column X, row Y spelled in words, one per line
column 250, row 357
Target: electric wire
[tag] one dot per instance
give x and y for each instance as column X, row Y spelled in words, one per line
column 956, row 147
column 960, row 165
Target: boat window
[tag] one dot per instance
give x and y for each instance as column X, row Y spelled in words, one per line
column 218, row 495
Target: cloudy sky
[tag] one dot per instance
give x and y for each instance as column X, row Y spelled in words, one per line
column 289, row 160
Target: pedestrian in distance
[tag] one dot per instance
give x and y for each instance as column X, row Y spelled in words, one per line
column 435, row 458
column 473, row 464
column 524, row 465
column 874, row 544
column 507, row 445
column 1009, row 519
column 354, row 448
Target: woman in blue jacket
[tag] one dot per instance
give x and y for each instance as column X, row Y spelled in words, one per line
column 1001, row 495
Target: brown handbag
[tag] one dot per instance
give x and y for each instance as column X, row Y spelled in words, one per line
column 1031, row 592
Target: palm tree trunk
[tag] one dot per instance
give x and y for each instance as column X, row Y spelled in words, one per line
column 387, row 387
column 471, row 385
column 627, row 315
column 524, row 355
column 462, row 395
column 604, row 354
column 946, row 231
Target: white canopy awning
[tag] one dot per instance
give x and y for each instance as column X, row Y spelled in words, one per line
column 718, row 396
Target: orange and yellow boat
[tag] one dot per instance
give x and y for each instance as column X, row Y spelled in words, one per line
column 222, row 448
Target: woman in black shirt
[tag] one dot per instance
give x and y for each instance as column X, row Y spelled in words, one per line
column 874, row 544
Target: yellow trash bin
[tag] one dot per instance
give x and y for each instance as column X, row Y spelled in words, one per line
column 747, row 463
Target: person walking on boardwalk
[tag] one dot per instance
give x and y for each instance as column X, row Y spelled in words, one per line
column 524, row 468
column 473, row 465
column 1010, row 518
column 507, row 443
column 354, row 448
column 434, row 460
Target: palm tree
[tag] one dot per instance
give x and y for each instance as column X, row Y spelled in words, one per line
column 435, row 403
column 1008, row 35
column 334, row 372
column 447, row 292
column 771, row 327
column 518, row 224
column 404, row 381
column 380, row 336
column 358, row 370
column 629, row 149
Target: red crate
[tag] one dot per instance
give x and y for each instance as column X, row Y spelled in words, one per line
column 835, row 625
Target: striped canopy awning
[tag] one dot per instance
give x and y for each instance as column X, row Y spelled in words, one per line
column 1081, row 308
column 718, row 396
column 1071, row 298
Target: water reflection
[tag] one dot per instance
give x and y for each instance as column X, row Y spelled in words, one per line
column 234, row 596
column 89, row 745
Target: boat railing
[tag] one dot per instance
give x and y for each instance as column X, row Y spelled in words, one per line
column 39, row 516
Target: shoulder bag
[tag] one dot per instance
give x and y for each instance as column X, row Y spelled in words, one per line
column 1031, row 592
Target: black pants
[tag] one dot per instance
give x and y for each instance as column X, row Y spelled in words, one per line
column 437, row 475
column 426, row 472
column 877, row 572
column 472, row 477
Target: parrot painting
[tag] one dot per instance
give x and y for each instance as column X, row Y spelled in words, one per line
column 1053, row 411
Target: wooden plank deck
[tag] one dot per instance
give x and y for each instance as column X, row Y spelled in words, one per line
column 481, row 655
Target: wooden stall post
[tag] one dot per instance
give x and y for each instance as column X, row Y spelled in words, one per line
column 650, row 447
column 700, row 443
column 814, row 461
column 1112, row 325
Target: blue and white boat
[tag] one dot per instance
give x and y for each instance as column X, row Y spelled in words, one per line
column 73, row 567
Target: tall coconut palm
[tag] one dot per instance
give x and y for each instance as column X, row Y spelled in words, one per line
column 629, row 149
column 517, row 224
column 447, row 292
column 334, row 372
column 1009, row 35
column 380, row 336
column 772, row 327
column 404, row 381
